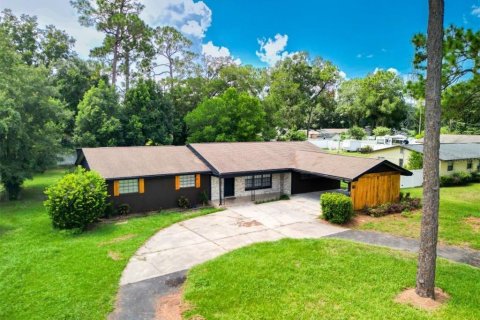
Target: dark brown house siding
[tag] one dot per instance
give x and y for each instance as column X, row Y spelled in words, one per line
column 159, row 194
column 302, row 183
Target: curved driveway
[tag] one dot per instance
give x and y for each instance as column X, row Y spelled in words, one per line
column 188, row 243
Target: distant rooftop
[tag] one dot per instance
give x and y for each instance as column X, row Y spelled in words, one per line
column 452, row 151
column 457, row 138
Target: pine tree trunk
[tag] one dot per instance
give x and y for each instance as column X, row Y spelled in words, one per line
column 431, row 192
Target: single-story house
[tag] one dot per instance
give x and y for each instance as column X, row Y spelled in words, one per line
column 332, row 133
column 312, row 134
column 454, row 157
column 457, row 138
column 150, row 178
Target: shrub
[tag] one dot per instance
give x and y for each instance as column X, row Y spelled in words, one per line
column 183, row 202
column 405, row 204
column 475, row 176
column 284, row 197
column 382, row 131
column 123, row 209
column 204, row 197
column 357, row 133
column 415, row 161
column 366, row 149
column 77, row 200
column 456, row 179
column 336, row 207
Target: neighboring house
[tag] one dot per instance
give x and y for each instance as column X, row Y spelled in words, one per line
column 454, row 157
column 457, row 138
column 312, row 134
column 332, row 133
column 151, row 178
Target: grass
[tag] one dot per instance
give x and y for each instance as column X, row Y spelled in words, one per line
column 348, row 153
column 456, row 205
column 321, row 279
column 51, row 274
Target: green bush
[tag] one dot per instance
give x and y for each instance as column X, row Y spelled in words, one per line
column 77, row 200
column 456, row 179
column 183, row 202
column 382, row 131
column 123, row 209
column 336, row 207
column 357, row 133
column 366, row 149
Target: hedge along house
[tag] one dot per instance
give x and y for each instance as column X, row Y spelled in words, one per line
column 151, row 178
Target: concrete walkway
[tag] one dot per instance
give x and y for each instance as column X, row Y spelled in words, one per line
column 186, row 244
column 159, row 267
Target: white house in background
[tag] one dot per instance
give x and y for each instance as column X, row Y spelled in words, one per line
column 457, row 138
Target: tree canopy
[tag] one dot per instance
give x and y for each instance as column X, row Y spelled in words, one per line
column 232, row 116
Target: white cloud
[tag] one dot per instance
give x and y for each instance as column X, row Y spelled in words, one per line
column 475, row 11
column 193, row 18
column 359, row 56
column 342, row 75
column 212, row 50
column 393, row 70
column 369, row 56
column 273, row 50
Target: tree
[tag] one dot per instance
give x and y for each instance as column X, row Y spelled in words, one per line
column 148, row 115
column 232, row 116
column 376, row 100
column 382, row 131
column 427, row 255
column 415, row 161
column 136, row 48
column 35, row 45
column 112, row 17
column 72, row 78
column 97, row 123
column 173, row 48
column 357, row 133
column 31, row 120
column 301, row 88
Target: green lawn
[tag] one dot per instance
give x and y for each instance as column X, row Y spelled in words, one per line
column 50, row 274
column 457, row 204
column 321, row 279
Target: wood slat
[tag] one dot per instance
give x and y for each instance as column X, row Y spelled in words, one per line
column 374, row 189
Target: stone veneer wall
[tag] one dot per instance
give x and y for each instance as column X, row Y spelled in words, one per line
column 281, row 183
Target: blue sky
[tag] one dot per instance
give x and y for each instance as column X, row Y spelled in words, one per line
column 358, row 36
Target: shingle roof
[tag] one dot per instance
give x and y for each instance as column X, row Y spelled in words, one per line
column 453, row 151
column 125, row 162
column 457, row 138
column 238, row 157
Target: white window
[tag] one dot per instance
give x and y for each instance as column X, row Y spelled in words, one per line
column 187, row 181
column 128, row 186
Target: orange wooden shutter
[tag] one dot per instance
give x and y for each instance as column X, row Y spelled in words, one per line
column 116, row 188
column 141, row 185
column 197, row 180
column 177, row 182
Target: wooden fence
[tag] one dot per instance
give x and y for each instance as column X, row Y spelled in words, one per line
column 374, row 189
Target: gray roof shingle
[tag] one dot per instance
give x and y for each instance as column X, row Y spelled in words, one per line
column 453, row 151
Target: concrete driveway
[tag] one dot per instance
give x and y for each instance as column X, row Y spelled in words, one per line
column 186, row 244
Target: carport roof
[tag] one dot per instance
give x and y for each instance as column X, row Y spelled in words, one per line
column 247, row 157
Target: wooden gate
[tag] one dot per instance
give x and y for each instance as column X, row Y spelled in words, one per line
column 374, row 189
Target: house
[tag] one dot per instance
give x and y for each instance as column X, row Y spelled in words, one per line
column 149, row 178
column 332, row 133
column 457, row 138
column 312, row 134
column 454, row 157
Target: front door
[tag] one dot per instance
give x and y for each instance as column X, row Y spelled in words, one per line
column 229, row 187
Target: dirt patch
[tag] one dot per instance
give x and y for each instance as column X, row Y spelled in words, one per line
column 474, row 222
column 410, row 297
column 114, row 255
column 248, row 224
column 117, row 240
column 170, row 306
